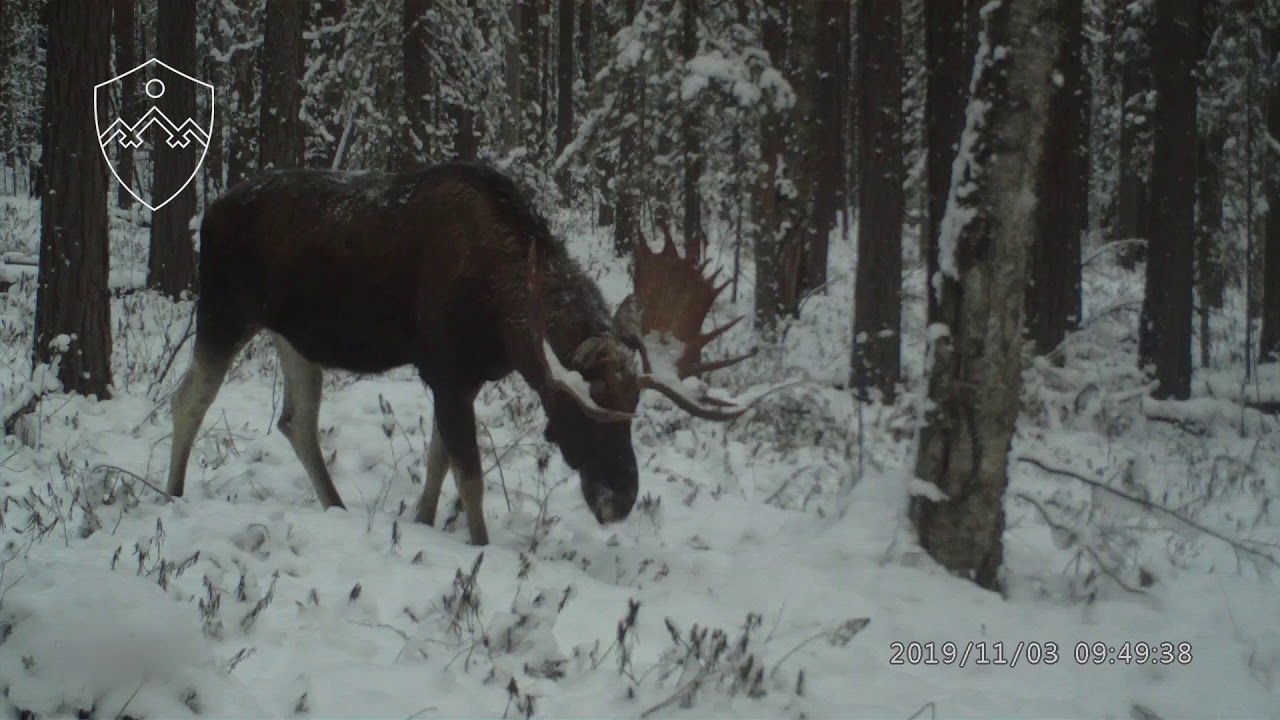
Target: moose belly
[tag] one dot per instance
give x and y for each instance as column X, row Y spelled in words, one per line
column 347, row 334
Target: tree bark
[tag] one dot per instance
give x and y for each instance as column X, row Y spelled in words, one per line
column 171, row 267
column 564, row 91
column 949, row 60
column 124, row 30
column 416, row 146
column 585, row 23
column 827, row 124
column 975, row 377
column 626, row 225
column 1211, row 278
column 280, row 144
column 531, row 50
column 514, row 75
column 1132, row 213
column 242, row 131
column 772, row 237
column 691, row 138
column 877, row 310
column 1164, row 334
column 1062, row 210
column 1270, row 340
column 72, row 295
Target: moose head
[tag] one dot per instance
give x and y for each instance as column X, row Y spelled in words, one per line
column 592, row 397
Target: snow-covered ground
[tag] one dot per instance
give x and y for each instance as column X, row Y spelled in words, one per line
column 768, row 570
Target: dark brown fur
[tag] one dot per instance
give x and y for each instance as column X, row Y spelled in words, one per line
column 368, row 272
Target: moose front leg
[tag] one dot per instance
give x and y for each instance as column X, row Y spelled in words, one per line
column 456, row 422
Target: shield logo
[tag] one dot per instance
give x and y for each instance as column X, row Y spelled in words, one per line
column 173, row 125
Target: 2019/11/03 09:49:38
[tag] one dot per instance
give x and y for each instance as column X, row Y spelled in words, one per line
column 1039, row 653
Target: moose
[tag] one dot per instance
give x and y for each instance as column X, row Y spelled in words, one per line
column 449, row 269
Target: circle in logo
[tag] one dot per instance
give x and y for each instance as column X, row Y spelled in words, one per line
column 155, row 87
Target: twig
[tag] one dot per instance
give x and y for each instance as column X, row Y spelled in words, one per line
column 131, row 697
column 1142, row 502
column 684, row 690
column 1092, row 553
column 186, row 335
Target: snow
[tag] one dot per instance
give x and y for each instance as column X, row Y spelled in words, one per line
column 245, row 599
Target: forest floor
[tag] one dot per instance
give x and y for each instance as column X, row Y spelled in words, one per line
column 782, row 537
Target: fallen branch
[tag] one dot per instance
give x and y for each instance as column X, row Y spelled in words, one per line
column 1146, row 504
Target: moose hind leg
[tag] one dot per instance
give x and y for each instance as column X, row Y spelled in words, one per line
column 456, row 418
column 190, row 402
column 437, row 466
column 300, row 417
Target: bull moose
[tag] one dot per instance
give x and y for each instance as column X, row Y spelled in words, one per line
column 449, row 269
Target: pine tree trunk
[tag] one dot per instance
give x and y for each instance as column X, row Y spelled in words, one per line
column 125, row 34
column 416, row 146
column 1062, row 210
column 531, row 50
column 514, row 75
column 564, row 91
column 1270, row 341
column 878, row 295
column 72, row 296
column 280, row 143
column 1132, row 218
column 171, row 267
column 1210, row 273
column 626, row 225
column 975, row 378
column 949, row 67
column 241, row 129
column 827, row 123
column 770, row 240
column 1164, row 333
column 691, row 139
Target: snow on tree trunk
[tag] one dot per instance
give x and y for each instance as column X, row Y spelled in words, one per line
column 974, row 380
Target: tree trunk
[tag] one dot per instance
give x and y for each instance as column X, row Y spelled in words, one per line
column 124, row 30
column 1062, row 210
column 771, row 237
column 171, row 267
column 514, row 75
column 72, row 296
column 280, row 143
column 1211, row 281
column 416, row 146
column 975, row 378
column 691, row 137
column 466, row 138
column 531, row 50
column 585, row 22
column 241, row 128
column 564, row 92
column 949, row 65
column 877, row 326
column 626, row 225
column 827, row 123
column 1270, row 341
column 1164, row 333
column 1133, row 194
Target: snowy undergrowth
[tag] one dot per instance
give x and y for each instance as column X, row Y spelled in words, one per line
column 766, row 571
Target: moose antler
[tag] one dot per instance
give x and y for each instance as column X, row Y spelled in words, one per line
column 671, row 300
column 556, row 373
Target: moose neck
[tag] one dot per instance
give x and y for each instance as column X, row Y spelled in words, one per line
column 573, row 310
